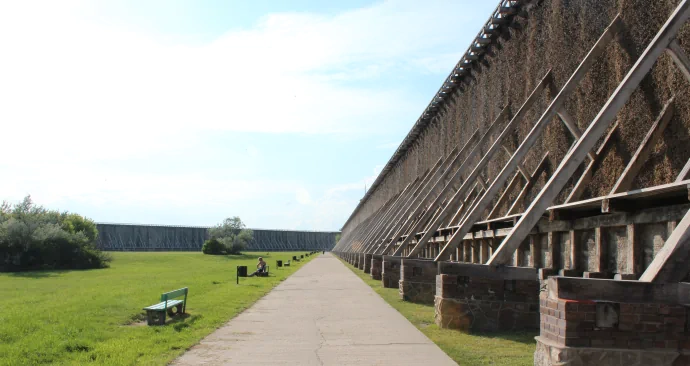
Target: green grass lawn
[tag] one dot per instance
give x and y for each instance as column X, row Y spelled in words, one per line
column 515, row 348
column 95, row 316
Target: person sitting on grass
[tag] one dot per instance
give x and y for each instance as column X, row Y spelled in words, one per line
column 260, row 267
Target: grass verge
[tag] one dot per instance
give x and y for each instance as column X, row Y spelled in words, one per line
column 95, row 316
column 502, row 348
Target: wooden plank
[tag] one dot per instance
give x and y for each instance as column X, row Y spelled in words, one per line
column 569, row 123
column 521, row 167
column 375, row 240
column 447, row 189
column 646, row 147
column 504, row 196
column 594, row 289
column 530, row 183
column 593, row 165
column 684, row 173
column 529, row 141
column 384, row 234
column 508, row 130
column 679, row 58
column 595, row 131
column 437, row 189
column 671, row 263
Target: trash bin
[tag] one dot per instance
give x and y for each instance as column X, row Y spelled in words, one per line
column 294, row 257
column 301, row 256
column 279, row 263
column 241, row 271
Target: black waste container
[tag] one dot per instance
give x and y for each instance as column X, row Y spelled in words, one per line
column 301, row 256
column 294, row 257
column 241, row 271
column 279, row 263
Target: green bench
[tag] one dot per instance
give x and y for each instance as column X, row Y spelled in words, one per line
column 155, row 314
column 286, row 264
column 264, row 273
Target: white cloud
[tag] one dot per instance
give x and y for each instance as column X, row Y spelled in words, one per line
column 75, row 93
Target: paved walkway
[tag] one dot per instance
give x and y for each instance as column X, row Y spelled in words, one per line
column 321, row 315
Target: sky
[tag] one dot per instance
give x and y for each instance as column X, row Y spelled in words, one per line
column 185, row 112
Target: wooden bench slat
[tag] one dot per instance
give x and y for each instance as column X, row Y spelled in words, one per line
column 161, row 305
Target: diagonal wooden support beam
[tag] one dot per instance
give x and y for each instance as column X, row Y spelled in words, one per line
column 377, row 218
column 371, row 240
column 670, row 265
column 530, row 183
column 459, row 210
column 457, row 176
column 594, row 131
column 504, row 196
column 679, row 58
column 570, row 124
column 684, row 173
column 389, row 212
column 593, row 165
column 437, row 196
column 521, row 167
column 526, row 145
column 404, row 212
column 631, row 171
column 507, row 131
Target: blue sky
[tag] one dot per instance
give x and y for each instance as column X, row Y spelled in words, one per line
column 186, row 112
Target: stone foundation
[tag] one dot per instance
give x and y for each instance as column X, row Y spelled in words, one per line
column 367, row 263
column 390, row 276
column 418, row 280
column 360, row 261
column 549, row 353
column 376, row 267
column 475, row 303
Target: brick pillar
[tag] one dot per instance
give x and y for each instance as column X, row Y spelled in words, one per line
column 418, row 280
column 473, row 296
column 390, row 275
column 645, row 330
column 360, row 263
column 376, row 266
column 367, row 263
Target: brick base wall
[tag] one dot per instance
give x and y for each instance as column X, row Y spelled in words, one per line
column 418, row 280
column 360, row 261
column 390, row 275
column 367, row 263
column 476, row 303
column 376, row 267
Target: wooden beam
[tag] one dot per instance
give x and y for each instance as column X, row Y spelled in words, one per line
column 483, row 271
column 521, row 167
column 679, row 58
column 594, row 131
column 530, row 183
column 436, row 190
column 531, row 138
column 457, row 176
column 376, row 239
column 504, row 196
column 684, row 173
column 646, row 147
column 671, row 263
column 593, row 165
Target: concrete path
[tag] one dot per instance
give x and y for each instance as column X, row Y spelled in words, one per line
column 321, row 315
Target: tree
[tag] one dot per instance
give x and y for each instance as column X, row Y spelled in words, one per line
column 232, row 234
column 32, row 237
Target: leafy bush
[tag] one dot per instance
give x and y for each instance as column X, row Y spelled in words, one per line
column 32, row 237
column 213, row 246
column 232, row 235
